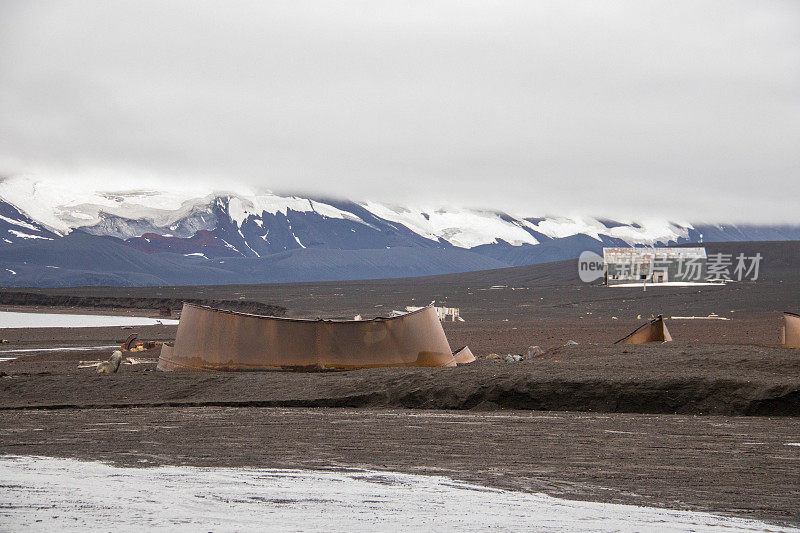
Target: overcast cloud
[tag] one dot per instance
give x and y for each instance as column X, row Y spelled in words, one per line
column 689, row 109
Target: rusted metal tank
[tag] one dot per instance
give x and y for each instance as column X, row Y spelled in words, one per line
column 791, row 330
column 215, row 339
column 654, row 331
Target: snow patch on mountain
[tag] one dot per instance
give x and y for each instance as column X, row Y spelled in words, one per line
column 468, row 228
column 241, row 208
column 63, row 206
column 19, row 223
column 465, row 228
column 22, row 235
column 127, row 214
column 648, row 232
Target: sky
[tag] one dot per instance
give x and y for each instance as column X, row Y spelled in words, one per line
column 683, row 109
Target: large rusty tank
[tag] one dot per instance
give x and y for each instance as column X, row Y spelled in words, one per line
column 215, row 339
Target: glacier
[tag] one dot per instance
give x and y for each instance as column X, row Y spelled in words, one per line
column 170, row 235
column 63, row 207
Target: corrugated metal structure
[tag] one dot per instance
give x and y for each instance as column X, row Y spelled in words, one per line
column 654, row 265
column 214, row 339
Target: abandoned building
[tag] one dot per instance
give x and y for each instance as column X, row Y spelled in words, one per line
column 443, row 312
column 654, row 265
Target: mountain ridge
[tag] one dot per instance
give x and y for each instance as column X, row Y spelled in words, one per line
column 55, row 235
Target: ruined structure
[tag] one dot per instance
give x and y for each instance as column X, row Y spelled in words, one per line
column 463, row 355
column 214, row 339
column 453, row 312
column 790, row 334
column 654, row 331
column 655, row 265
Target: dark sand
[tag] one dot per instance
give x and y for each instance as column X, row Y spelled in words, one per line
column 683, row 379
column 616, row 435
column 739, row 465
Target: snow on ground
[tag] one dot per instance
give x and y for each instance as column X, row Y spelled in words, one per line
column 61, row 349
column 9, row 319
column 668, row 284
column 46, row 494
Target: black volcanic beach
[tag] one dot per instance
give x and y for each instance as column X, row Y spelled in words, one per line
column 680, row 424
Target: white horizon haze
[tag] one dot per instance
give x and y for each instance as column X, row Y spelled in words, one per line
column 625, row 109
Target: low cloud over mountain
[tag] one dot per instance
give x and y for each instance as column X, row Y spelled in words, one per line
column 56, row 234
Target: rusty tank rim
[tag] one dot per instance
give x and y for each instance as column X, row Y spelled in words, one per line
column 307, row 320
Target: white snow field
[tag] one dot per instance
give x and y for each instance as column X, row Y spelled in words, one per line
column 23, row 351
column 668, row 284
column 12, row 319
column 64, row 205
column 48, row 494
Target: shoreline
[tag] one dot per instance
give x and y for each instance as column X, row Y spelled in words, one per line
column 669, row 461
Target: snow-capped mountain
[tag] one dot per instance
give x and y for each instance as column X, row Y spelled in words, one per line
column 56, row 233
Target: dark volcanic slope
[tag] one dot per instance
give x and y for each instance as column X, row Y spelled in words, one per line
column 225, row 239
column 733, row 380
column 741, row 465
column 33, row 299
column 533, row 292
column 714, row 366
